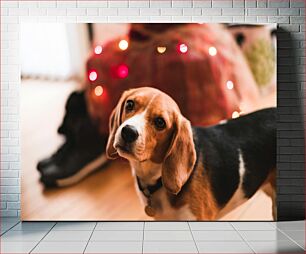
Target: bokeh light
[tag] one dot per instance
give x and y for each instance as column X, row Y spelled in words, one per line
column 122, row 71
column 161, row 49
column 123, row 44
column 212, row 51
column 98, row 90
column 182, row 47
column 98, row 49
column 229, row 84
column 92, row 75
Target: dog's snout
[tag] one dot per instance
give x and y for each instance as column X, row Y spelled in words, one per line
column 129, row 133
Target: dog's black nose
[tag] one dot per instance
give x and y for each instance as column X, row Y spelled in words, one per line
column 129, row 133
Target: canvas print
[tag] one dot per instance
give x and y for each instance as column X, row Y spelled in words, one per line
column 148, row 121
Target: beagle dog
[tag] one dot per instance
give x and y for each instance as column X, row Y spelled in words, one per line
column 192, row 173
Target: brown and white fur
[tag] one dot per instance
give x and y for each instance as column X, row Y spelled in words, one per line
column 148, row 129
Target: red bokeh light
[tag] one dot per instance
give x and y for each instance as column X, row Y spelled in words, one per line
column 92, row 75
column 122, row 71
column 182, row 48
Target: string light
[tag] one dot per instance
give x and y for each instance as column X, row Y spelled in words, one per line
column 161, row 49
column 182, row 48
column 98, row 50
column 98, row 90
column 212, row 51
column 235, row 114
column 92, row 75
column 122, row 71
column 123, row 44
column 229, row 84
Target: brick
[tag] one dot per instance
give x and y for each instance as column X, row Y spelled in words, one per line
column 211, row 11
column 278, row 3
column 92, row 4
column 139, row 4
column 238, row 3
column 182, row 3
column 172, row 11
column 92, row 12
column 38, row 11
column 233, row 11
column 160, row 3
column 180, row 19
column 56, row 12
column 192, row 11
column 9, row 181
column 18, row 12
column 222, row 19
column 108, row 11
column 297, row 3
column 119, row 4
column 278, row 19
column 250, row 3
column 9, row 197
column 13, row 205
column 9, row 213
column 117, row 19
column 262, row 12
column 150, row 12
column 66, row 4
column 262, row 3
column 138, row 19
column 297, row 19
column 76, row 12
column 202, row 3
column 9, row 173
column 128, row 11
column 222, row 3
column 289, row 11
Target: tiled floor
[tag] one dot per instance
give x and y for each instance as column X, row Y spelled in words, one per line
column 152, row 237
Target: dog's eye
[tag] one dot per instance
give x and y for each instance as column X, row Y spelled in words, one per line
column 159, row 123
column 129, row 106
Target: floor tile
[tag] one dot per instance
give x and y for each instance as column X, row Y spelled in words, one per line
column 253, row 226
column 114, row 247
column 119, row 226
column 69, row 236
column 60, row 247
column 124, row 236
column 291, row 225
column 276, row 247
column 223, row 247
column 17, row 247
column 211, row 226
column 167, row 236
column 216, row 236
column 23, row 236
column 274, row 235
column 156, row 225
column 63, row 226
column 169, row 247
column 295, row 235
column 33, row 226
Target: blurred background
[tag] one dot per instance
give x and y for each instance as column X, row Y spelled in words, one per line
column 232, row 66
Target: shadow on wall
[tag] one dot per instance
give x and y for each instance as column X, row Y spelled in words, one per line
column 291, row 174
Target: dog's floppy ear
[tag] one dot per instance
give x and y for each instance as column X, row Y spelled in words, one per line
column 114, row 123
column 180, row 157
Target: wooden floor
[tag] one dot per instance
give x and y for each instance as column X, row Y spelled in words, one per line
column 107, row 194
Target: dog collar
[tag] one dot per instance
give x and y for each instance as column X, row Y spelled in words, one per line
column 150, row 189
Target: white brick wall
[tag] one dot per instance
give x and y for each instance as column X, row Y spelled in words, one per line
column 289, row 13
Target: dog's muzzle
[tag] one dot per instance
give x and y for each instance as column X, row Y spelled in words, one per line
column 129, row 134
